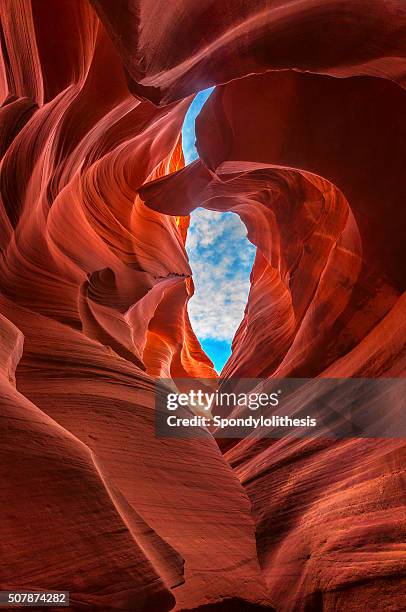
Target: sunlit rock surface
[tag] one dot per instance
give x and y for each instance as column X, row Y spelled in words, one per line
column 95, row 283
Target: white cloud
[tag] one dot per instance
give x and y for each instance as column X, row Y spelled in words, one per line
column 221, row 256
column 221, row 259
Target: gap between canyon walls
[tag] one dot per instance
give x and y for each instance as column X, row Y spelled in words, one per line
column 95, row 282
column 221, row 258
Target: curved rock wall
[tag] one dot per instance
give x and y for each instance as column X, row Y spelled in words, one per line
column 304, row 138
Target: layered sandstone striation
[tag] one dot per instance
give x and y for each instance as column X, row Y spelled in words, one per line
column 303, row 138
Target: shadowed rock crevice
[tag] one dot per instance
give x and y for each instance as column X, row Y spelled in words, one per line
column 304, row 139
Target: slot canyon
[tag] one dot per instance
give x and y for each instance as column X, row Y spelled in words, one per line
column 303, row 139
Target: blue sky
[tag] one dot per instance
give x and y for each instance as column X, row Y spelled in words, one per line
column 221, row 258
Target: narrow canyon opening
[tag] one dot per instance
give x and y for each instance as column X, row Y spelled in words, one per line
column 221, row 258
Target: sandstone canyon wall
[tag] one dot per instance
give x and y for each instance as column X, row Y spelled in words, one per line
column 305, row 139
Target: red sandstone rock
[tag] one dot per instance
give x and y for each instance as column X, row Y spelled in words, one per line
column 94, row 285
column 57, row 511
column 171, row 50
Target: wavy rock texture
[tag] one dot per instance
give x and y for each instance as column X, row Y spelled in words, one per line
column 221, row 41
column 95, row 282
